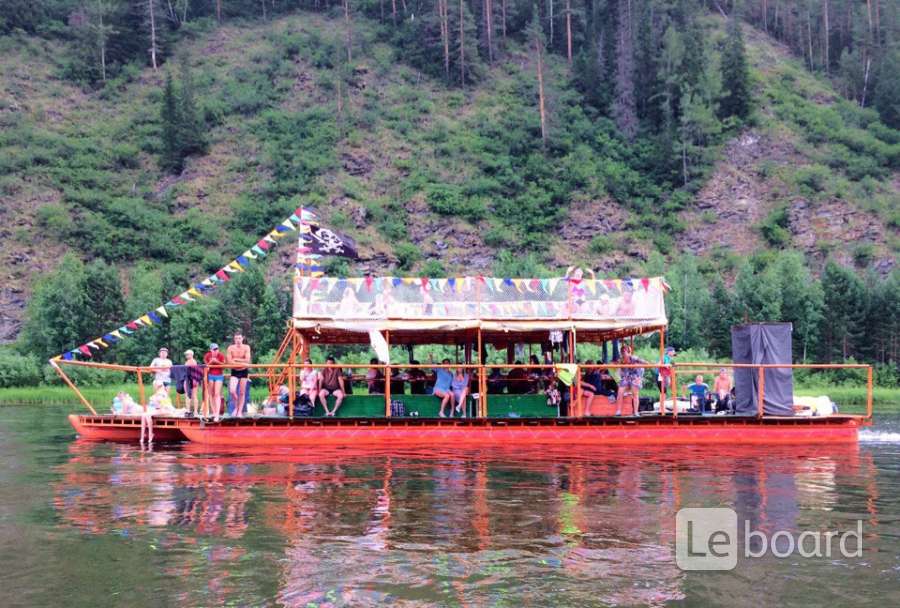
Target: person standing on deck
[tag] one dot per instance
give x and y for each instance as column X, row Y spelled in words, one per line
column 192, row 382
column 162, row 365
column 238, row 355
column 630, row 379
column 214, row 379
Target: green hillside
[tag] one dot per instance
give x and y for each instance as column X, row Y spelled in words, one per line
column 432, row 175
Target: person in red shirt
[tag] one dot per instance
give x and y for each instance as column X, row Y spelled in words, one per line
column 214, row 378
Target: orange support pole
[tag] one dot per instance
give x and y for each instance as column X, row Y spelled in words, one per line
column 869, row 390
column 662, row 385
column 387, row 376
column 292, row 379
column 141, row 396
column 482, row 385
column 762, row 393
column 674, row 392
column 72, row 386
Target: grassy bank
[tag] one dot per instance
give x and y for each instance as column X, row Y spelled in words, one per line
column 850, row 398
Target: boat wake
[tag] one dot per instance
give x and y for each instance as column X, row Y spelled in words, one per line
column 869, row 436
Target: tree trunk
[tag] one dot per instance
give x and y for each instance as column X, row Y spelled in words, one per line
column 349, row 30
column 766, row 16
column 569, row 30
column 489, row 28
column 539, row 48
column 265, row 14
column 445, row 35
column 462, row 47
column 153, row 49
column 862, row 101
column 551, row 24
column 812, row 65
column 827, row 36
column 219, row 11
column 503, row 17
column 394, row 11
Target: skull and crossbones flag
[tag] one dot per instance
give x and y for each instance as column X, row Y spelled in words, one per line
column 322, row 241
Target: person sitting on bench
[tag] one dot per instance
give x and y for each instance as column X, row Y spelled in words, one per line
column 698, row 392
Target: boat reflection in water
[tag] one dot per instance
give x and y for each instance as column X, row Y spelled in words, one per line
column 531, row 525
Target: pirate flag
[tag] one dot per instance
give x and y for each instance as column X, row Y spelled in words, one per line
column 327, row 242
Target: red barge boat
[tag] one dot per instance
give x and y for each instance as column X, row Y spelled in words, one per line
column 482, row 317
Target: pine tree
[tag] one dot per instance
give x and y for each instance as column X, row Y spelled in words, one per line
column 801, row 302
column 736, row 100
column 887, row 91
column 190, row 125
column 720, row 314
column 844, row 313
column 171, row 159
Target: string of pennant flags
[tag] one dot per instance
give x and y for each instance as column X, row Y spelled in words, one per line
column 448, row 285
column 301, row 218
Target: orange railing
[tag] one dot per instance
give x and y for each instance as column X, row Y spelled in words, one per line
column 288, row 372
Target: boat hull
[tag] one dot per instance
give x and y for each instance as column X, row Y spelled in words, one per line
column 126, row 429
column 596, row 431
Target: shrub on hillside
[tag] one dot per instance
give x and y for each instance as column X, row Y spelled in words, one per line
column 18, row 370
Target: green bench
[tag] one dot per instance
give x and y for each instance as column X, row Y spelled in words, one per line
column 428, row 406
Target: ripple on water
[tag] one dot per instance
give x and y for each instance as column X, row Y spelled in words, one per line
column 428, row 526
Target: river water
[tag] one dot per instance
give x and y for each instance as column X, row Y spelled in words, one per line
column 86, row 524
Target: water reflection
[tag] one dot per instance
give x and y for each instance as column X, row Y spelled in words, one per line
column 473, row 527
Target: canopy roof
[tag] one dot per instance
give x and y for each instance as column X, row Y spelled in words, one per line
column 446, row 310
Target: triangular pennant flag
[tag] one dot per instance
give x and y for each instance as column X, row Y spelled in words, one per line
column 154, row 317
column 125, row 330
column 185, row 296
column 263, row 244
column 195, row 293
column 133, row 325
column 314, row 283
column 545, row 285
column 552, row 284
column 235, row 266
column 294, row 218
column 67, row 356
column 146, row 320
column 396, row 281
column 242, row 260
column 274, row 235
column 208, row 282
column 83, row 348
column 369, row 281
column 221, row 275
column 452, row 283
column 270, row 240
column 101, row 343
column 646, row 283
column 249, row 255
column 258, row 250
column 117, row 334
column 94, row 345
column 442, row 284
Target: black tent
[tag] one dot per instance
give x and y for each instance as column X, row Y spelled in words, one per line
column 763, row 343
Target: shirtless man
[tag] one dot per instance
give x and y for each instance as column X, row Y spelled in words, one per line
column 238, row 354
column 722, row 389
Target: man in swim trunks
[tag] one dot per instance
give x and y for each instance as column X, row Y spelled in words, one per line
column 238, row 355
column 162, row 368
column 214, row 379
column 332, row 382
